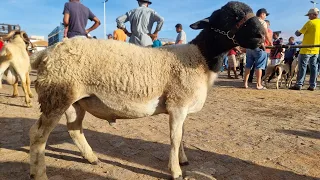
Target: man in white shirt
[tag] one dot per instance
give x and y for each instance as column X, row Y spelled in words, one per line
column 182, row 37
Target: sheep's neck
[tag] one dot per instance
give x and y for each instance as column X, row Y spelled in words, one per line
column 213, row 47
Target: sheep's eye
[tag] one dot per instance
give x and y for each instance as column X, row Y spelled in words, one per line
column 237, row 18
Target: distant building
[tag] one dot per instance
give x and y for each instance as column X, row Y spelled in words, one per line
column 5, row 29
column 56, row 35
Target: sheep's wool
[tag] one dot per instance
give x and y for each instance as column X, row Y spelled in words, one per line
column 118, row 72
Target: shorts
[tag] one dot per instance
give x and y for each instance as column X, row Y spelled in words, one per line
column 275, row 62
column 232, row 61
column 256, row 57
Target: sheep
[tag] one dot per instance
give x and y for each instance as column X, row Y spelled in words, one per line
column 116, row 80
column 15, row 61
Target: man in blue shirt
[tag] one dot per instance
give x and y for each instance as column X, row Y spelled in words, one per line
column 75, row 19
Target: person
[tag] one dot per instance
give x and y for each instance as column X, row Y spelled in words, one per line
column 267, row 43
column 232, row 63
column 109, row 36
column 94, row 37
column 156, row 42
column 1, row 43
column 141, row 20
column 311, row 32
column 119, row 35
column 182, row 36
column 276, row 53
column 289, row 53
column 76, row 17
column 257, row 56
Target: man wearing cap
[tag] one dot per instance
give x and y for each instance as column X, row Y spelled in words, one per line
column 141, row 20
column 181, row 37
column 311, row 32
column 258, row 57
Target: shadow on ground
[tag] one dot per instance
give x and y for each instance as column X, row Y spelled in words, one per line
column 136, row 151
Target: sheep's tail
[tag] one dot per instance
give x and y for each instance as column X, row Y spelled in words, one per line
column 38, row 57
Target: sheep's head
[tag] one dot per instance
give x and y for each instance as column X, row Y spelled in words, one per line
column 236, row 23
column 17, row 34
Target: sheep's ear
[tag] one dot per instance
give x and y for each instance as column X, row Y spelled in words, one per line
column 200, row 24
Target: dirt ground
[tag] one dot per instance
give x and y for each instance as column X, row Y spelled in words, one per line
column 241, row 134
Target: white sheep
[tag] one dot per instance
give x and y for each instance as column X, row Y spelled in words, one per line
column 15, row 61
column 116, row 80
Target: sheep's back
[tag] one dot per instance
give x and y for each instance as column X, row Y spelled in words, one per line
column 108, row 67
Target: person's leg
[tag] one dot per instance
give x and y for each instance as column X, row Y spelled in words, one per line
column 261, row 60
column 249, row 64
column 313, row 63
column 230, row 66
column 233, row 59
column 303, row 61
column 264, row 71
column 251, row 74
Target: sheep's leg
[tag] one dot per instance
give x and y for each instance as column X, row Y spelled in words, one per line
column 3, row 67
column 28, row 83
column 177, row 117
column 75, row 115
column 183, row 160
column 39, row 134
column 15, row 90
column 25, row 89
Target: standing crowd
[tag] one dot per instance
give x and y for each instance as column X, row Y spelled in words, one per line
column 258, row 59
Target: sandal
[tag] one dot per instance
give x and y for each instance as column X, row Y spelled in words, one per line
column 263, row 88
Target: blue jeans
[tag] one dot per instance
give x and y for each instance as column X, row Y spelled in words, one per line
column 225, row 61
column 256, row 57
column 304, row 60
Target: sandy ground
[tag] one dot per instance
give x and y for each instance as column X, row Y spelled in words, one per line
column 240, row 134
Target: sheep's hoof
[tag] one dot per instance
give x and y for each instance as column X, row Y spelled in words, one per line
column 32, row 176
column 178, row 178
column 96, row 162
column 29, row 105
column 184, row 163
column 15, row 95
column 31, row 95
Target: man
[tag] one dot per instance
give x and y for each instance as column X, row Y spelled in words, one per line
column 75, row 19
column 290, row 53
column 258, row 56
column 141, row 20
column 181, row 37
column 1, row 43
column 311, row 32
column 119, row 35
column 266, row 43
column 276, row 53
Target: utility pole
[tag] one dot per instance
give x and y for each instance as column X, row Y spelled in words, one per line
column 104, row 19
column 314, row 3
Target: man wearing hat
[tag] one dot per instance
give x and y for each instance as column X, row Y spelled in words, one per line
column 257, row 58
column 141, row 20
column 311, row 32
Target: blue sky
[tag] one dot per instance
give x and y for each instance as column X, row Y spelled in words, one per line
column 40, row 17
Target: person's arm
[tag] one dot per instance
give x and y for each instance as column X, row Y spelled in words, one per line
column 303, row 30
column 157, row 18
column 66, row 17
column 96, row 24
column 121, row 20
